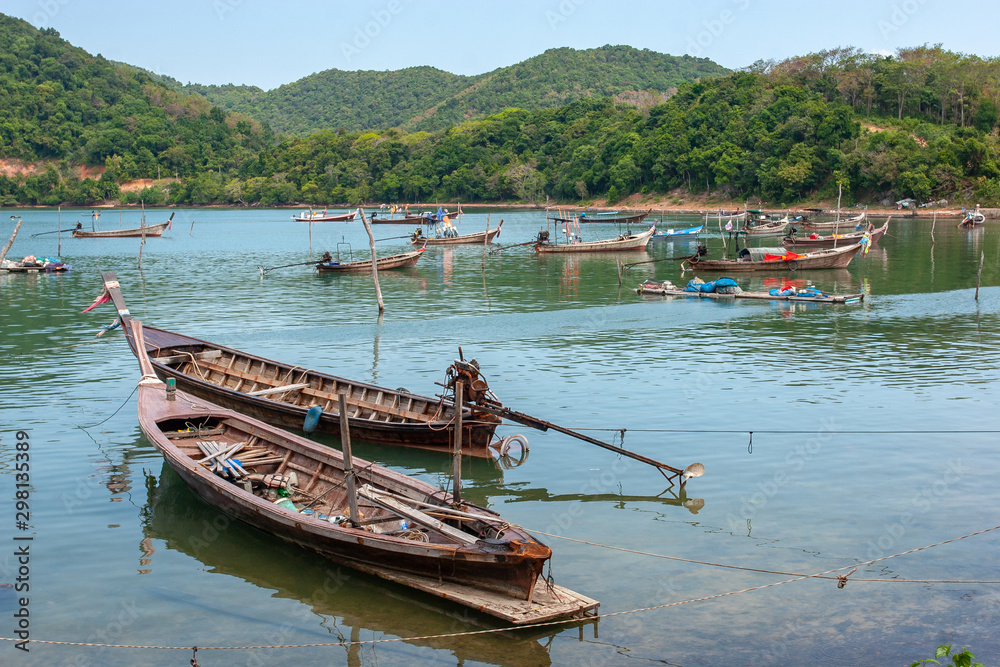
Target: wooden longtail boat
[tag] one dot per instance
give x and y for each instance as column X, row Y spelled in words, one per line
column 480, row 238
column 134, row 232
column 845, row 224
column 407, row 530
column 30, row 265
column 400, row 261
column 774, row 259
column 323, row 217
column 772, row 228
column 377, row 219
column 668, row 289
column 623, row 242
column 281, row 394
column 833, row 240
column 600, row 217
column 690, row 232
column 972, row 219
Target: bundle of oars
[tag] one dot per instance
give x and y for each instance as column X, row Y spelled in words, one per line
column 217, row 458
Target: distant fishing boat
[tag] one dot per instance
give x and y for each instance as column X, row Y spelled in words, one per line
column 845, row 224
column 972, row 219
column 400, row 261
column 808, row 295
column 774, row 259
column 690, row 232
column 134, row 232
column 832, row 240
column 622, row 242
column 310, row 216
column 608, row 216
column 32, row 264
column 480, row 238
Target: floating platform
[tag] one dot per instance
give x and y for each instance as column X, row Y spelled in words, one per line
column 548, row 602
column 660, row 290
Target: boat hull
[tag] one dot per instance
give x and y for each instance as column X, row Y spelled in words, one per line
column 624, row 242
column 343, row 217
column 135, row 232
column 836, row 258
column 400, row 261
column 511, row 569
column 832, row 242
column 465, row 239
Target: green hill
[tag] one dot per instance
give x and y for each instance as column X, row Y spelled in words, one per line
column 425, row 98
column 62, row 106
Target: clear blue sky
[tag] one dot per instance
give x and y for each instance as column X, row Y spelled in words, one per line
column 270, row 43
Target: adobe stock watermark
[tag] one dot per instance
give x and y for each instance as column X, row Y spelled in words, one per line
column 715, row 28
column 363, row 35
column 562, row 12
column 899, row 16
column 47, row 11
column 921, row 503
column 223, row 7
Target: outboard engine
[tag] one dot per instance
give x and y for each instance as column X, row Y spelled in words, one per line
column 543, row 236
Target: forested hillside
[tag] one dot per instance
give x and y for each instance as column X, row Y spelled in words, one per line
column 921, row 124
column 425, row 98
column 63, row 107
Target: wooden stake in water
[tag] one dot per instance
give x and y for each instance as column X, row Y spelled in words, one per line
column 142, row 225
column 933, row 222
column 979, row 276
column 456, row 461
column 345, row 445
column 371, row 241
column 59, row 234
column 17, row 228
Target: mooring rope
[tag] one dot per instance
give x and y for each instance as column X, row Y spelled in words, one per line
column 821, row 575
column 469, row 633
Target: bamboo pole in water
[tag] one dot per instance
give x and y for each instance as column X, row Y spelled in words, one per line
column 371, row 241
column 979, row 276
column 17, row 228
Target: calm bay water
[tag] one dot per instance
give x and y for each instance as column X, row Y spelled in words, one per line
column 123, row 553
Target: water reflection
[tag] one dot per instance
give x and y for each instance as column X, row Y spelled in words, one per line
column 671, row 496
column 343, row 605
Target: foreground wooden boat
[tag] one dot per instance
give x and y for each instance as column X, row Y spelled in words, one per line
column 668, row 289
column 281, row 394
column 774, row 259
column 834, row 240
column 309, row 216
column 134, row 232
column 623, row 242
column 406, row 530
column 485, row 236
column 400, row 261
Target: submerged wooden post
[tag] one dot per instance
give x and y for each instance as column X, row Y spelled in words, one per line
column 345, row 445
column 979, row 276
column 456, row 462
column 17, row 228
column 371, row 241
column 142, row 226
